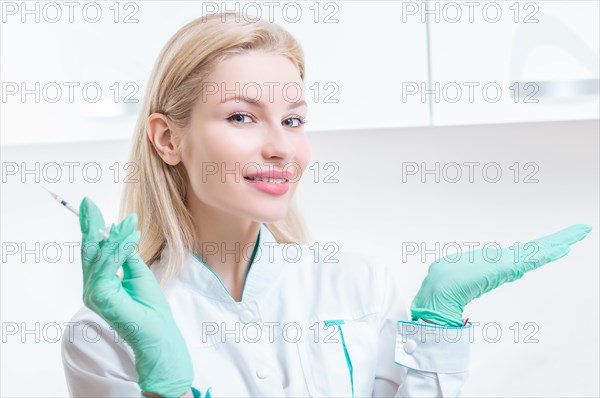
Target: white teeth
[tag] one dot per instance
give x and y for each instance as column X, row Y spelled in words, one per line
column 272, row 180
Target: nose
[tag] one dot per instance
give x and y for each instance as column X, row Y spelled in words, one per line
column 279, row 143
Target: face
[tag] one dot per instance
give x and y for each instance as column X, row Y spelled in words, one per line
column 228, row 140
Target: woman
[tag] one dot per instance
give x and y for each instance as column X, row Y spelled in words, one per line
column 242, row 309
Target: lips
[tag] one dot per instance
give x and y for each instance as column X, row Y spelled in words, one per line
column 280, row 174
column 278, row 186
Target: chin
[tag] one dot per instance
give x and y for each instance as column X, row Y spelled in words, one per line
column 270, row 216
column 271, row 219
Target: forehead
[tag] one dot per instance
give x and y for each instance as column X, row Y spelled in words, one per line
column 256, row 75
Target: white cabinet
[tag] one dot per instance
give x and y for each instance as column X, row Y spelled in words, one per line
column 368, row 56
column 509, row 61
column 73, row 71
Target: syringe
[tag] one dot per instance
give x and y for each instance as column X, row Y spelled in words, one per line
column 104, row 232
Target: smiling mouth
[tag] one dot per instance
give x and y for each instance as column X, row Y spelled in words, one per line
column 265, row 179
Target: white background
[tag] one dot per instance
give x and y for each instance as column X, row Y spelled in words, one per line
column 368, row 135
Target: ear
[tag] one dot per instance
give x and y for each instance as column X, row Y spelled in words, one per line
column 162, row 137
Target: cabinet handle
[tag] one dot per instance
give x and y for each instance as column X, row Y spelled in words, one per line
column 555, row 88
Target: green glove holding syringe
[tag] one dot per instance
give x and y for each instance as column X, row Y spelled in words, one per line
column 162, row 360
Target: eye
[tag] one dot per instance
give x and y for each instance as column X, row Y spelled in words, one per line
column 239, row 115
column 300, row 121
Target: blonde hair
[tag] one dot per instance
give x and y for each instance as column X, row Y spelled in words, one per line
column 159, row 195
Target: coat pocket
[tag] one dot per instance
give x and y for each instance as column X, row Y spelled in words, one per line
column 338, row 358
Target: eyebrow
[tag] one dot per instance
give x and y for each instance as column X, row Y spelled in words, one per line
column 256, row 102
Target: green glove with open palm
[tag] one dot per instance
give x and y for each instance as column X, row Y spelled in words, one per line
column 135, row 307
column 451, row 284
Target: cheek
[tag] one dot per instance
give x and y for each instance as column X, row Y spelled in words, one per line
column 206, row 147
column 224, row 143
column 216, row 161
column 303, row 154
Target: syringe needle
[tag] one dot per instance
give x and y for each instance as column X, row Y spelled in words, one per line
column 104, row 232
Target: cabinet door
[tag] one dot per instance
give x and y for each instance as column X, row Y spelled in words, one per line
column 514, row 61
column 359, row 57
column 77, row 71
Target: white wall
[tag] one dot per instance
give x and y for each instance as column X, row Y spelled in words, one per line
column 371, row 210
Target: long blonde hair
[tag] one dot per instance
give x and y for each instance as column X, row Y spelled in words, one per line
column 159, row 194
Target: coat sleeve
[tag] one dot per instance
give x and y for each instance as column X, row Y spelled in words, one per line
column 416, row 359
column 96, row 360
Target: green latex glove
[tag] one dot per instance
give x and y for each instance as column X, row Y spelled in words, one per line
column 134, row 307
column 451, row 284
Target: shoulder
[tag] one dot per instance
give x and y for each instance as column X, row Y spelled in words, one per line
column 96, row 361
column 88, row 337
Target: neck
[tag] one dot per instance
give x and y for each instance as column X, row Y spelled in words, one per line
column 225, row 244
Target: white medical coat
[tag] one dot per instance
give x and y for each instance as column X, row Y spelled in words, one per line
column 306, row 326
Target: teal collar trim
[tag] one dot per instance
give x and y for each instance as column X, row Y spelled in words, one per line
column 249, row 268
column 263, row 270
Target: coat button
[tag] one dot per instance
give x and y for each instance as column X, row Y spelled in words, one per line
column 410, row 346
column 262, row 373
column 246, row 316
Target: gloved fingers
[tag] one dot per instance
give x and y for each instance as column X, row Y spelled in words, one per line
column 544, row 256
column 103, row 291
column 575, row 233
column 117, row 233
column 90, row 220
column 134, row 267
column 116, row 254
column 94, row 254
column 566, row 236
column 114, row 300
column 102, row 297
column 111, row 301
